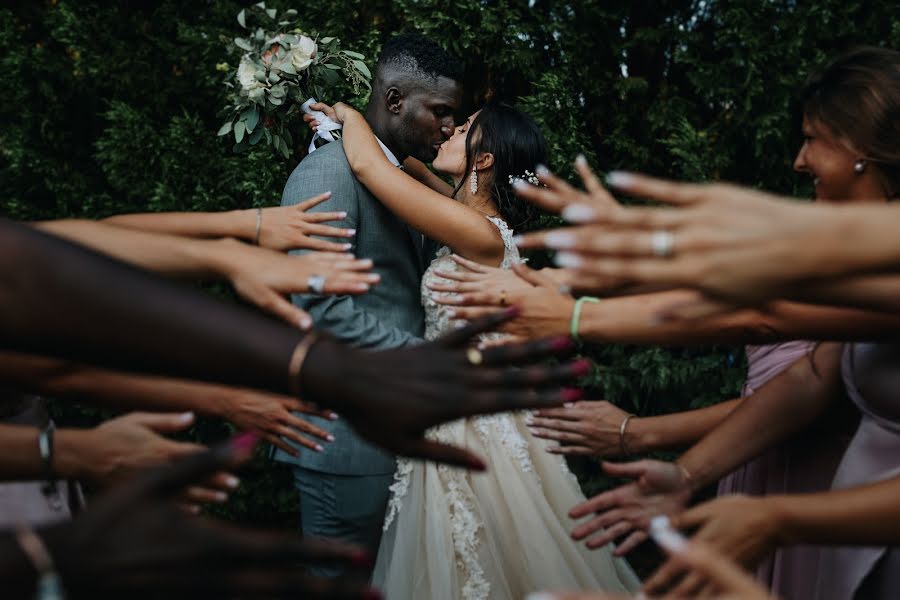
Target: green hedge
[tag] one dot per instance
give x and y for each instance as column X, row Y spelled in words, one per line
column 113, row 106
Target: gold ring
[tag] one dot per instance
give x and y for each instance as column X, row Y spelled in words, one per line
column 474, row 356
column 502, row 297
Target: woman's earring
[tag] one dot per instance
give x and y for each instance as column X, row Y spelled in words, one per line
column 473, row 182
column 859, row 166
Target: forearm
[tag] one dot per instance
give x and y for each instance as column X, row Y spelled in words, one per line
column 239, row 224
column 66, row 301
column 666, row 432
column 863, row 515
column 170, row 255
column 784, row 405
column 867, row 292
column 416, row 169
column 20, row 459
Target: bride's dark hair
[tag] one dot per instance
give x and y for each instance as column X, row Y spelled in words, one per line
column 517, row 144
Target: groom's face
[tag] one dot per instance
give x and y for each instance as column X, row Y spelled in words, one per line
column 426, row 117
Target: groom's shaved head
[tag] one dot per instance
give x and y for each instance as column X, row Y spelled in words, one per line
column 415, row 93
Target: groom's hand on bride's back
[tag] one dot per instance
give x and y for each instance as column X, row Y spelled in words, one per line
column 393, row 396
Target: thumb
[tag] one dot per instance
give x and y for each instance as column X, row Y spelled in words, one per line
column 689, row 519
column 165, row 422
column 632, row 470
column 535, row 278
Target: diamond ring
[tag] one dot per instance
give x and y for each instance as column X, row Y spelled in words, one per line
column 316, row 284
column 661, row 242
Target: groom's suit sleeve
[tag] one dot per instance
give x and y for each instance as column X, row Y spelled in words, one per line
column 341, row 316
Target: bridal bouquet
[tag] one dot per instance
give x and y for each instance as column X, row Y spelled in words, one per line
column 281, row 66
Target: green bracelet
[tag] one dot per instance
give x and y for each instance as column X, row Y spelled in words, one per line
column 576, row 316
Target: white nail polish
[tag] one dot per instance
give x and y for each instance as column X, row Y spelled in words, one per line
column 568, row 260
column 330, row 438
column 559, row 239
column 220, row 497
column 579, row 213
column 351, row 232
column 518, row 184
column 342, row 214
column 541, row 170
column 529, row 420
column 619, row 178
column 305, row 322
column 518, row 239
column 580, row 160
column 232, row 482
column 319, row 448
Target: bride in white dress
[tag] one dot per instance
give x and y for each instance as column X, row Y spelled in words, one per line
column 449, row 533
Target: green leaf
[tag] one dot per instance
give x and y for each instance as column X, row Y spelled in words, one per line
column 271, row 12
column 251, row 117
column 242, row 18
column 326, row 40
column 239, row 129
column 290, row 12
column 332, row 66
column 289, row 140
column 224, row 129
column 288, row 67
column 256, row 136
column 243, row 44
column 273, row 77
column 362, row 67
column 261, row 5
column 356, row 55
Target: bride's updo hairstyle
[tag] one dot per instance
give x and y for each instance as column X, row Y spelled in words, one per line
column 857, row 97
column 517, row 145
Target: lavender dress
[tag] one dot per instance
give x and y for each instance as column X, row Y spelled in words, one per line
column 871, row 375
column 802, row 464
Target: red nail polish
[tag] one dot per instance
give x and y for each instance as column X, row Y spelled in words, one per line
column 562, row 343
column 572, row 394
column 476, row 464
column 581, row 367
column 244, row 443
column 362, row 559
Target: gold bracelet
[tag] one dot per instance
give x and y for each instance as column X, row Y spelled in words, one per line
column 622, row 445
column 298, row 357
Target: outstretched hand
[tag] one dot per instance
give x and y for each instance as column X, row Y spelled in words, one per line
column 658, row 488
column 133, row 541
column 393, row 396
column 284, row 228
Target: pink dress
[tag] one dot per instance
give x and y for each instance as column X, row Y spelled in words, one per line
column 871, row 375
column 801, row 464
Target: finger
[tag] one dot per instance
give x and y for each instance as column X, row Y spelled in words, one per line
column 592, row 184
column 472, row 313
column 328, row 231
column 575, row 412
column 680, row 194
column 572, row 450
column 164, row 422
column 558, row 436
column 630, row 470
column 546, row 198
column 281, row 444
column 308, row 408
column 308, row 243
column 454, row 286
column 535, row 278
column 609, row 535
column 275, row 304
column 724, row 573
column 357, row 284
column 506, row 399
column 446, row 454
column 529, row 352
column 465, row 333
column 293, row 436
column 460, row 276
column 690, row 585
column 296, row 423
column 203, row 495
column 470, row 299
column 471, row 265
column 571, row 425
column 314, row 201
column 324, row 217
column 598, row 503
column 631, row 542
column 664, row 577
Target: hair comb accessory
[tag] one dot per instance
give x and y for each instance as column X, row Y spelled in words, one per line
column 528, row 176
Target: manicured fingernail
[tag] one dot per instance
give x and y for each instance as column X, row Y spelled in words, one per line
column 220, row 497
column 365, row 262
column 563, row 342
column 529, row 420
column 512, row 312
column 572, row 394
column 620, row 178
column 542, row 170
column 186, row 417
column 329, row 437
column 362, row 559
column 333, row 416
column 244, row 443
column 581, row 367
column 232, row 482
column 305, row 322
column 568, row 260
column 362, row 287
column 350, row 232
column 451, row 314
column 327, row 195
column 569, row 405
column 580, row 160
column 476, row 464
column 319, row 448
column 579, row 213
column 559, row 239
column 518, row 239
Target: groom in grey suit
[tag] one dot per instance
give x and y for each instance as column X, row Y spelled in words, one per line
column 344, row 489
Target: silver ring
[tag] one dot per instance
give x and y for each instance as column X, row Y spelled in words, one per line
column 316, row 284
column 661, row 242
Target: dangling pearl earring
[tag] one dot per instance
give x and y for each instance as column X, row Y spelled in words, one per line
column 473, row 182
column 859, row 166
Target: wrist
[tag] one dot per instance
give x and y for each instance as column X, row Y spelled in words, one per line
column 639, row 437
column 241, row 224
column 72, row 458
column 781, row 519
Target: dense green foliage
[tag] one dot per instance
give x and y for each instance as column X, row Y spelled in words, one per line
column 114, row 106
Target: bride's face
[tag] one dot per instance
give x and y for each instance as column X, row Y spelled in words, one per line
column 451, row 157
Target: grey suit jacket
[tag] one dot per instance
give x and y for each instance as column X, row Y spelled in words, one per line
column 389, row 316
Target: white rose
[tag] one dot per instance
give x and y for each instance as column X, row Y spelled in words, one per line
column 246, row 75
column 303, row 53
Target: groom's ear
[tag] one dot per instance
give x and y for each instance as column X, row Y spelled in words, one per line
column 393, row 99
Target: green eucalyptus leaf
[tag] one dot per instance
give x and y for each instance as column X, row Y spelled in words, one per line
column 287, row 67
column 257, row 135
column 251, row 117
column 224, row 129
column 326, row 40
column 239, row 130
column 260, row 5
column 271, row 12
column 273, row 77
column 291, row 12
column 332, row 66
column 242, row 18
column 352, row 54
column 243, row 44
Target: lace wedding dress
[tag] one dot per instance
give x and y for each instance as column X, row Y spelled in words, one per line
column 451, row 534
